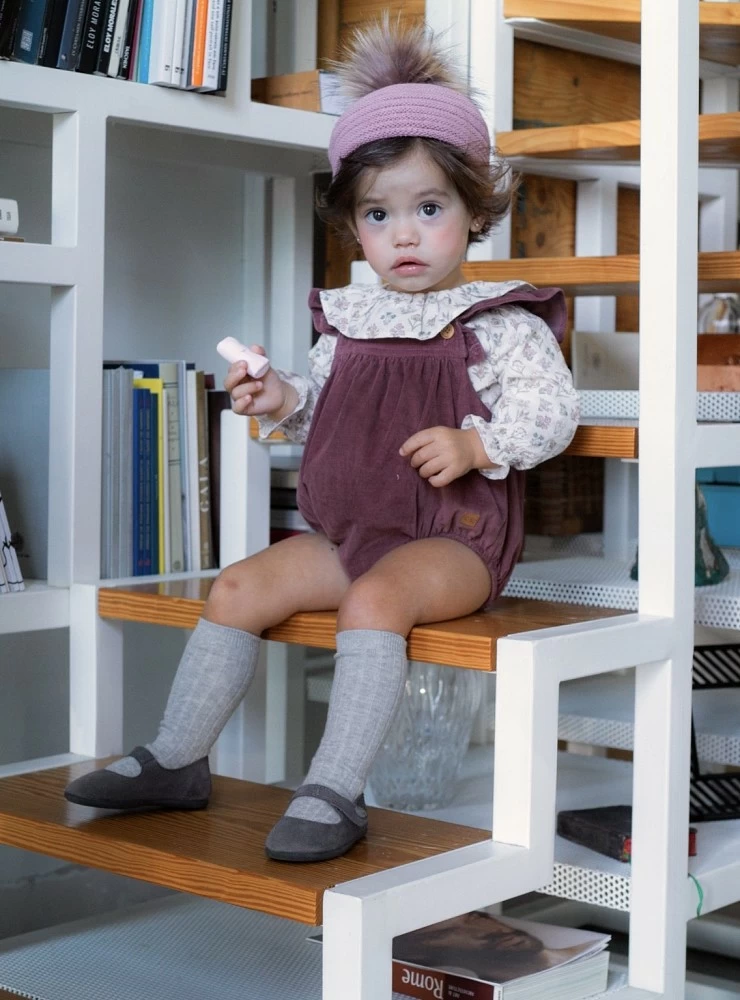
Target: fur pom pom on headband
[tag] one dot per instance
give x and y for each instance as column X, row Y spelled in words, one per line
column 386, row 53
column 405, row 85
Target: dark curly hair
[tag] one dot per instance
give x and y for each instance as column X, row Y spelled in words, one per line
column 486, row 189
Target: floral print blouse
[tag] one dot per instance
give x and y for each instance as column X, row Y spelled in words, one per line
column 524, row 380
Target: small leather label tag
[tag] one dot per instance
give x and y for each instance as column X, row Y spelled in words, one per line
column 469, row 520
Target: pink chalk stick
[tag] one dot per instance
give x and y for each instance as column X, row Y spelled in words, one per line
column 233, row 351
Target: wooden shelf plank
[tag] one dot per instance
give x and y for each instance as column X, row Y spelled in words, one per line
column 216, row 852
column 619, row 275
column 604, row 442
column 462, row 642
column 719, row 22
column 719, row 141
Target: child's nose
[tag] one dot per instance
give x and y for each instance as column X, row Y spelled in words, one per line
column 405, row 235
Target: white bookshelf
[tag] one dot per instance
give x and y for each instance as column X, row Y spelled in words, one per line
column 130, row 273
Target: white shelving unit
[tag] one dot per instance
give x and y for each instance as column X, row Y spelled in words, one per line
column 101, row 130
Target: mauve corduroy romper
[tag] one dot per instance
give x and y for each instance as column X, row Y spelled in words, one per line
column 356, row 489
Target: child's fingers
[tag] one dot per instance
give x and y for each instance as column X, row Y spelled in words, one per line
column 236, row 373
column 417, row 441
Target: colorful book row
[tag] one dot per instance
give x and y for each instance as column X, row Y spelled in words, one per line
column 170, row 43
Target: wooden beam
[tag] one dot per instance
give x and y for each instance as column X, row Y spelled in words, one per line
column 462, row 642
column 719, row 23
column 718, row 272
column 604, row 442
column 719, row 141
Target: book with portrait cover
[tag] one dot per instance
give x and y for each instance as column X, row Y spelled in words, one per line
column 483, row 956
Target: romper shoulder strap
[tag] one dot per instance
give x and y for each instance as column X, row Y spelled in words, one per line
column 547, row 303
column 320, row 322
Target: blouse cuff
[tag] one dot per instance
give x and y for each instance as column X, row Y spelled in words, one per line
column 266, row 424
column 495, row 453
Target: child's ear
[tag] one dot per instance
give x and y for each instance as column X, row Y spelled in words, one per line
column 476, row 225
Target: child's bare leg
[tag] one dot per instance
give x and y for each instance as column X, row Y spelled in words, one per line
column 423, row 581
column 300, row 573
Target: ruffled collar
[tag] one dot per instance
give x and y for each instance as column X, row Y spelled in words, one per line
column 367, row 312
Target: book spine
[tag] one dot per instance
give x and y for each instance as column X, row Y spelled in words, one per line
column 106, row 46
column 136, row 511
column 204, row 487
column 29, row 31
column 145, row 42
column 92, row 38
column 193, row 554
column 51, row 7
column 69, row 47
column 9, row 10
column 169, row 375
column 160, row 55
column 154, row 482
column 178, row 42
column 223, row 68
column 200, row 22
column 212, row 54
column 424, row 983
column 127, row 40
column 187, row 42
column 119, row 37
column 611, row 843
column 11, row 566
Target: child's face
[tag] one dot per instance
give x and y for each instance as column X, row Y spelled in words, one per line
column 410, row 212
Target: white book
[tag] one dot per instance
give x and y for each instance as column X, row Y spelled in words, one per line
column 170, row 376
column 163, row 37
column 187, row 43
column 178, row 41
column 119, row 37
column 214, row 35
column 191, row 407
column 11, row 566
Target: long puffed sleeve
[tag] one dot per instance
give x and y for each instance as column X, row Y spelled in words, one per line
column 526, row 384
column 295, row 426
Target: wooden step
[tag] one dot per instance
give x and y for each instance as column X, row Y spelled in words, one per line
column 596, row 441
column 719, row 23
column 589, row 441
column 719, row 141
column 216, row 852
column 619, row 275
column 462, row 642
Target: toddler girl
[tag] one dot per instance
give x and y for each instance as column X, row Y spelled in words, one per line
column 427, row 397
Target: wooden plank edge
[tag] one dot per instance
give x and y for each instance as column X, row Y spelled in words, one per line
column 140, row 861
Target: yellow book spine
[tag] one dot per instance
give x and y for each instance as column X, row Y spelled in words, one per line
column 156, row 386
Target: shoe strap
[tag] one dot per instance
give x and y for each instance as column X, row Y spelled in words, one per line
column 355, row 812
column 142, row 755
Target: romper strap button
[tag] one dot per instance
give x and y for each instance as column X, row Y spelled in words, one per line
column 448, row 333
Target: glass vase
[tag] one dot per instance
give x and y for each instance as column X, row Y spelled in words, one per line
column 419, row 762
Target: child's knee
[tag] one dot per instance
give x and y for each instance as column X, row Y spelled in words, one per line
column 370, row 604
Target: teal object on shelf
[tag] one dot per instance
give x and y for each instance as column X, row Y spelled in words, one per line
column 723, row 512
column 710, row 565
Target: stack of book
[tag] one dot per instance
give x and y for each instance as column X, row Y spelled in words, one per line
column 170, row 43
column 157, row 489
column 11, row 579
column 484, row 956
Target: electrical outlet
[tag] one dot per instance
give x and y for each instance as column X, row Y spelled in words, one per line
column 8, row 217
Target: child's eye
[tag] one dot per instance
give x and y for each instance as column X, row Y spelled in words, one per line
column 376, row 215
column 429, row 210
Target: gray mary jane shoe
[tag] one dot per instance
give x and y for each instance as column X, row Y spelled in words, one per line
column 156, row 787
column 293, row 839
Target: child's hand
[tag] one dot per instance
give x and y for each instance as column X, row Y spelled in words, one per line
column 255, row 397
column 443, row 454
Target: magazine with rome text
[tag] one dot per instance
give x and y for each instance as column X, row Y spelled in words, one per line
column 483, row 956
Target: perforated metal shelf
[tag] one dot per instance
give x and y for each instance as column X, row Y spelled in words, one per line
column 586, row 876
column 625, row 404
column 606, row 583
column 599, row 711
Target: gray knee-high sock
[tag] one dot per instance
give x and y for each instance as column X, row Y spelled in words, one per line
column 213, row 676
column 369, row 679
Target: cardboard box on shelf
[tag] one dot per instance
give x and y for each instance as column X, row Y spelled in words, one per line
column 311, row 90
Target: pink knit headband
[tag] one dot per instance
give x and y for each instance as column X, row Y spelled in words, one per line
column 419, row 109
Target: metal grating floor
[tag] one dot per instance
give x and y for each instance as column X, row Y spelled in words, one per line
column 180, row 948
column 606, row 583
